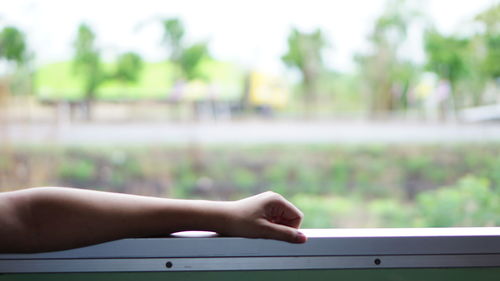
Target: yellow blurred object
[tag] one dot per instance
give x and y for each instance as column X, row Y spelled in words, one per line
column 196, row 90
column 426, row 86
column 423, row 90
column 267, row 90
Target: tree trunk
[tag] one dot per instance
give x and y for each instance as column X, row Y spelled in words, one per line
column 87, row 109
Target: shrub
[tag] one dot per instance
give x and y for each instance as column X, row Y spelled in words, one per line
column 471, row 202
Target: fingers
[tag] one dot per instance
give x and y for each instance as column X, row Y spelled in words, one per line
column 269, row 215
column 295, row 223
column 292, row 216
column 281, row 211
column 283, row 233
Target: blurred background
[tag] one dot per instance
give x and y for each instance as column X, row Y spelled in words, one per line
column 381, row 113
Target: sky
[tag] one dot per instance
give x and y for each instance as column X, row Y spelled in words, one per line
column 251, row 33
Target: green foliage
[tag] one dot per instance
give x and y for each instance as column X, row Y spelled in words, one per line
column 244, row 180
column 492, row 60
column 490, row 18
column 88, row 66
column 447, row 55
column 325, row 212
column 388, row 89
column 87, row 61
column 13, row 45
column 340, row 177
column 14, row 51
column 391, row 213
column 391, row 27
column 57, row 81
column 173, row 36
column 275, row 175
column 128, row 67
column 468, row 62
column 340, row 186
column 190, row 60
column 305, row 53
column 78, row 171
column 471, row 202
column 185, row 186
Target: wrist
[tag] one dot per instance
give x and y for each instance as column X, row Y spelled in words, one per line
column 205, row 215
column 220, row 217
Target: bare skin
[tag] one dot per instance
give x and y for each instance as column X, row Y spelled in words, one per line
column 56, row 218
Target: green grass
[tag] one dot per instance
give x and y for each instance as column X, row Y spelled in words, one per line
column 335, row 186
column 58, row 81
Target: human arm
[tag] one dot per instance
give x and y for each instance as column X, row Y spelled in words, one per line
column 56, row 218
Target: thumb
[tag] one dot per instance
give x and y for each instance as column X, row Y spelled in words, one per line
column 283, row 233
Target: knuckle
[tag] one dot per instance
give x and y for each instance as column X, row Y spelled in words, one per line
column 273, row 195
column 301, row 215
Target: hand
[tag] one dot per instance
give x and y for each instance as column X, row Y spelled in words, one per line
column 266, row 215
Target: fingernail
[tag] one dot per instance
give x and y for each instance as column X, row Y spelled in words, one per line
column 300, row 237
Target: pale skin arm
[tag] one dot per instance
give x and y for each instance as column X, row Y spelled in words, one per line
column 56, row 218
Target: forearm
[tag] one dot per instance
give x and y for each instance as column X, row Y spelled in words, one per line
column 60, row 218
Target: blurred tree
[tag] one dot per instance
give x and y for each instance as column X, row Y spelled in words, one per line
column 490, row 20
column 128, row 67
column 305, row 53
column 472, row 86
column 14, row 51
column 13, row 45
column 173, row 37
column 87, row 65
column 448, row 57
column 386, row 75
column 492, row 61
column 467, row 63
column 186, row 58
column 190, row 59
